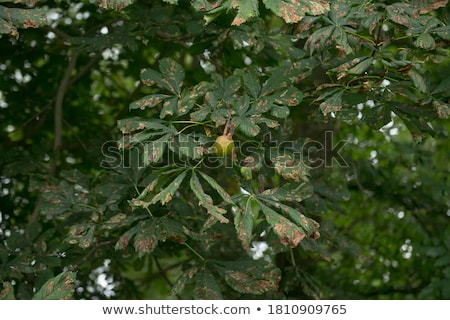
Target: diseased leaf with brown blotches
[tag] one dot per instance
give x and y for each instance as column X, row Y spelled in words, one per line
column 289, row 233
column 243, row 223
column 12, row 19
column 332, row 103
column 184, row 279
column 246, row 9
column 292, row 11
column 250, row 276
column 167, row 193
column 206, row 201
column 114, row 4
column 7, row 292
column 290, row 169
column 206, row 286
column 60, row 287
column 148, row 233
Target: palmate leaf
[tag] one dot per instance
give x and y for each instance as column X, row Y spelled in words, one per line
column 114, row 4
column 184, row 279
column 206, row 286
column 246, row 9
column 148, row 101
column 148, row 233
column 170, row 77
column 165, row 195
column 60, row 287
column 249, row 276
column 243, row 223
column 376, row 117
column 7, row 292
column 292, row 11
column 247, row 125
column 290, row 192
column 82, row 235
column 332, row 103
column 309, row 225
column 205, row 200
column 288, row 232
column 216, row 186
column 290, row 169
column 12, row 19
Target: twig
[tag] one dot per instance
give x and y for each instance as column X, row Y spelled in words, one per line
column 62, row 89
column 163, row 274
column 91, row 252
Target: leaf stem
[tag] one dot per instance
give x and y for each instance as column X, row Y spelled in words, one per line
column 293, row 257
column 195, row 252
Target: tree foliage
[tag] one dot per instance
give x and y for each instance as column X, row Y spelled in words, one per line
column 111, row 186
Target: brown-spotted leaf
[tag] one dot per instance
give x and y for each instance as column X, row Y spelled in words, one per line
column 165, row 195
column 184, row 279
column 289, row 233
column 12, row 19
column 7, row 292
column 206, row 201
column 292, row 11
column 206, row 287
column 60, row 287
column 114, row 4
column 254, row 276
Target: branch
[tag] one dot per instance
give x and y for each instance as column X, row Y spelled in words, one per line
column 86, row 68
column 62, row 89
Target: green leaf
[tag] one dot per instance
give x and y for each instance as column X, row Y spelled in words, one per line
column 200, row 114
column 114, row 4
column 292, row 11
column 243, row 223
column 206, row 201
column 173, row 74
column 376, row 117
column 134, row 124
column 12, row 19
column 290, row 192
column 309, row 226
column 442, row 109
column 221, row 191
column 186, row 145
column 281, row 112
column 418, row 80
column 154, row 230
column 289, row 234
column 333, row 103
column 206, row 286
column 246, row 10
column 184, row 279
column 60, row 287
column 251, row 81
column 246, row 276
column 167, row 194
column 7, row 292
column 361, row 66
column 154, row 150
column 425, row 41
column 248, row 126
column 290, row 97
column 148, row 101
column 170, row 106
column 82, row 235
column 318, row 39
column 444, row 86
column 289, row 169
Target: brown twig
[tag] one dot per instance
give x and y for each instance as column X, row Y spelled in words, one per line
column 59, row 101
